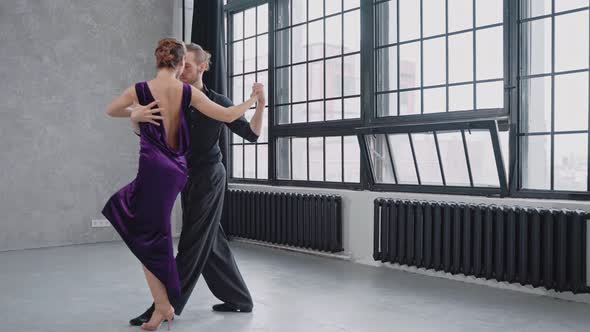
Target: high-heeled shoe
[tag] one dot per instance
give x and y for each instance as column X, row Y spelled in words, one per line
column 168, row 316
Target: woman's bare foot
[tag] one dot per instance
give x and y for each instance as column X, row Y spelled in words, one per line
column 159, row 315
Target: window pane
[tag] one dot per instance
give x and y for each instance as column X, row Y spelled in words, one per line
column 238, row 162
column 482, row 159
column 387, row 104
column 299, row 113
column 334, row 159
column 352, row 32
column 238, row 55
column 380, row 160
column 263, row 138
column 352, row 75
column 535, row 105
column 283, row 13
column 333, row 77
column 262, row 161
column 386, row 69
column 427, row 158
column 535, row 8
column 283, row 45
column 333, row 6
column 249, row 55
column 489, row 12
column 433, row 22
column 316, row 80
column 316, row 111
column 490, row 63
column 315, row 48
column 409, row 65
column 250, row 25
column 571, row 102
column 563, row 5
column 410, row 102
column 250, row 158
column 571, row 41
column 299, row 11
column 237, row 89
column 262, row 52
column 435, row 100
column 284, row 114
column 299, row 43
column 409, row 16
column 238, row 23
column 490, row 95
column 283, row 158
column 434, row 61
column 334, row 35
column 461, row 58
column 536, row 45
column 403, row 159
column 299, row 83
column 461, row 97
column 349, row 4
column 262, row 18
column 299, row 158
column 536, row 162
column 352, row 108
column 316, row 9
column 316, row 159
column 452, row 155
column 571, row 162
column 334, row 109
column 460, row 14
column 283, row 85
column 386, row 29
column 352, row 160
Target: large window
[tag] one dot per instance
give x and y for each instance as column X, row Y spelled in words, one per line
column 248, row 51
column 485, row 97
column 436, row 56
column 317, row 61
column 553, row 121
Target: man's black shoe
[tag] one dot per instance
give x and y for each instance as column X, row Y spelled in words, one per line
column 145, row 317
column 227, row 307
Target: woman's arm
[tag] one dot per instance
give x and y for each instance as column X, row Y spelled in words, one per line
column 118, row 108
column 200, row 101
column 256, row 121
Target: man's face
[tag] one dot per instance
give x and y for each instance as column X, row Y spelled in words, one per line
column 192, row 70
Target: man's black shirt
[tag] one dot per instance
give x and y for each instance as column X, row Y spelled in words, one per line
column 204, row 132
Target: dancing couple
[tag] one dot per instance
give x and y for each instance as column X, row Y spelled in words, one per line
column 179, row 121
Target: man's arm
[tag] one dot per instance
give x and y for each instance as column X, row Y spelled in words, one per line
column 241, row 126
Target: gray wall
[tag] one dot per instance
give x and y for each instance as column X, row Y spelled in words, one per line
column 61, row 62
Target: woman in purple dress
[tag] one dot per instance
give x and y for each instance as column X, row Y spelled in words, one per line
column 140, row 211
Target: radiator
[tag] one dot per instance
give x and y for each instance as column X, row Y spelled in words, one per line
column 299, row 220
column 538, row 247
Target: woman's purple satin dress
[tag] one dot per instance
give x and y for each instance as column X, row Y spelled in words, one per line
column 140, row 211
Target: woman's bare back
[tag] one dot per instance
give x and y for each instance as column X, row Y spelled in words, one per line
column 168, row 93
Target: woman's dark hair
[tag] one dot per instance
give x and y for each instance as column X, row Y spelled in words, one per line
column 169, row 53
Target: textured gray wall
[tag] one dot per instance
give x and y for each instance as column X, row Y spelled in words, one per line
column 61, row 62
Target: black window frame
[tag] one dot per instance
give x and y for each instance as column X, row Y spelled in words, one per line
column 506, row 119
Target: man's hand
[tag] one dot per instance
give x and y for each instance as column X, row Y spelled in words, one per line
column 141, row 113
column 257, row 88
column 261, row 97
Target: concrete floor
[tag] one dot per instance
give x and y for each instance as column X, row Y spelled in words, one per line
column 99, row 287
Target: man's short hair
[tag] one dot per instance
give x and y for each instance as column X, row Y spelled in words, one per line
column 201, row 55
